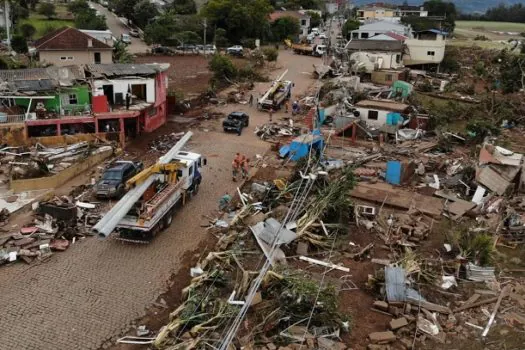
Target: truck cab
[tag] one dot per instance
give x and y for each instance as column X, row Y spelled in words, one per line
column 319, row 50
column 192, row 172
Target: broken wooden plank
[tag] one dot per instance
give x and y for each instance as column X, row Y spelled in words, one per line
column 324, row 263
column 479, row 303
column 503, row 293
column 431, row 306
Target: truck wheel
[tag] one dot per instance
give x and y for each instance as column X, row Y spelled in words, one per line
column 195, row 188
column 168, row 220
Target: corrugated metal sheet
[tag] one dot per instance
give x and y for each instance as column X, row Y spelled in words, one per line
column 395, row 283
column 23, row 74
column 491, row 179
column 116, row 70
column 34, row 85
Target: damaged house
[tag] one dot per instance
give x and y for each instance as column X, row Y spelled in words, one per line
column 377, row 113
column 119, row 99
column 498, row 169
column 371, row 55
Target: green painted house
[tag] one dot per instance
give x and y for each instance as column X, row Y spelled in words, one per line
column 64, row 101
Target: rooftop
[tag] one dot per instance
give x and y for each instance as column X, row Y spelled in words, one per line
column 374, row 45
column 384, row 105
column 123, row 69
column 67, row 38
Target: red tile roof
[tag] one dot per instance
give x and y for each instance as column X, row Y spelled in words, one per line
column 280, row 14
column 67, row 38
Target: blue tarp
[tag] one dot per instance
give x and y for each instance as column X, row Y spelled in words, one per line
column 393, row 118
column 393, row 172
column 300, row 146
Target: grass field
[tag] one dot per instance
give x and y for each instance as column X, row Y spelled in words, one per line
column 492, row 26
column 43, row 25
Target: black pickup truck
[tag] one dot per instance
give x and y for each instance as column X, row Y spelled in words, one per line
column 112, row 183
column 235, row 122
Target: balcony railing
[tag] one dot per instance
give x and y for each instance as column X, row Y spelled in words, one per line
column 14, row 118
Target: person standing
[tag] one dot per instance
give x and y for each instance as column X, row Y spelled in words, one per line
column 236, row 164
column 286, row 106
column 245, row 168
column 251, row 100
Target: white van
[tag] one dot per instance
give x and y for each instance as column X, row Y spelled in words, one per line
column 315, row 31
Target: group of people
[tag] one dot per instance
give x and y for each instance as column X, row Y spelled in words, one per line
column 240, row 164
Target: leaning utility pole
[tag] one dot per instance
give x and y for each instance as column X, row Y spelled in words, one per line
column 205, row 24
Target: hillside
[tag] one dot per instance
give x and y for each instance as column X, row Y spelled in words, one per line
column 465, row 6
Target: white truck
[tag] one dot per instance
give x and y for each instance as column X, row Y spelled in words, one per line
column 154, row 195
column 276, row 95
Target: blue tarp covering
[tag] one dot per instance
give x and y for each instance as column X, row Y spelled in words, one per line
column 393, row 172
column 300, row 146
column 393, row 118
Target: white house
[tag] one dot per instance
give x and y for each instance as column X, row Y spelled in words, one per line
column 369, row 30
column 376, row 112
column 427, row 47
column 371, row 55
column 116, row 89
column 409, row 10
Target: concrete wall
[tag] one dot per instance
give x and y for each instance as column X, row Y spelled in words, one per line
column 79, row 57
column 60, row 178
column 381, row 118
column 419, row 51
column 121, row 86
column 16, row 136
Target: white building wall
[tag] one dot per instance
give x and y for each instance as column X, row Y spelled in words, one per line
column 424, row 51
column 121, row 86
column 381, row 116
column 372, row 61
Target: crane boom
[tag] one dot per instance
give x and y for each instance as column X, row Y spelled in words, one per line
column 107, row 224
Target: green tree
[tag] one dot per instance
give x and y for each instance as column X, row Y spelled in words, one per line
column 285, row 27
column 125, row 8
column 184, row 7
column 512, row 72
column 315, row 19
column 90, row 20
column 144, row 12
column 271, row 54
column 349, row 26
column 304, row 4
column 27, row 30
column 47, row 9
column 187, row 37
column 120, row 53
column 19, row 44
column 220, row 38
column 160, row 30
column 246, row 19
column 222, row 68
column 18, row 12
column 78, row 6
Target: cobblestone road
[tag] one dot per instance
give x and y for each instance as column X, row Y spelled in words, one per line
column 92, row 292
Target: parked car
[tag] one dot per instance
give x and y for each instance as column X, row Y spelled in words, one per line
column 134, row 33
column 236, row 121
column 112, row 183
column 125, row 38
column 322, row 36
column 235, row 50
column 210, row 50
column 162, row 50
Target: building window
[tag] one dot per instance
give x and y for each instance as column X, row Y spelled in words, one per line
column 388, row 77
column 431, row 53
column 66, row 58
column 63, row 58
column 373, row 115
column 355, row 35
column 73, row 99
column 398, row 58
column 70, row 58
column 364, row 35
column 303, row 23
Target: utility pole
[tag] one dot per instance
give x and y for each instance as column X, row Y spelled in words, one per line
column 205, row 24
column 7, row 23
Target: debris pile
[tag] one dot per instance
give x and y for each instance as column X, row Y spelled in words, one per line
column 40, row 161
column 57, row 224
column 270, row 131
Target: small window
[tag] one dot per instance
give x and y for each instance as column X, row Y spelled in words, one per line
column 373, row 115
column 191, row 170
column 70, row 58
column 303, row 22
column 398, row 58
column 73, row 99
column 388, row 77
column 431, row 53
column 364, row 35
column 63, row 58
column 354, row 35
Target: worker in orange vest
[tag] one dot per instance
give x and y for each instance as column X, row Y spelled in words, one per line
column 236, row 165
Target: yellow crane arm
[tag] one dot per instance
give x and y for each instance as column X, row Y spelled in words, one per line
column 170, row 169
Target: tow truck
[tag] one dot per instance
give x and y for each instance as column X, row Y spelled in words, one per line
column 154, row 195
column 279, row 91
